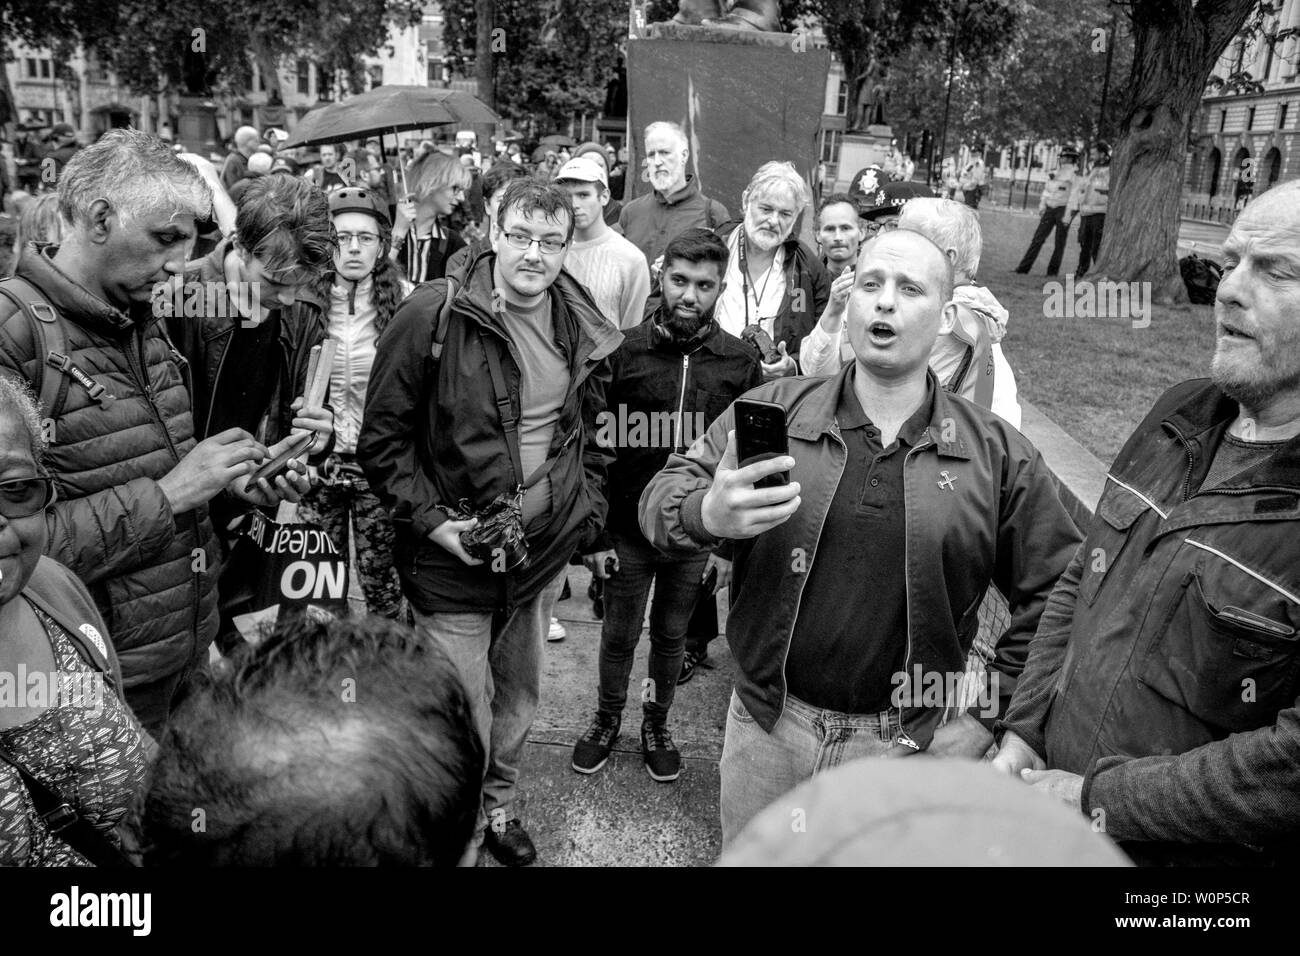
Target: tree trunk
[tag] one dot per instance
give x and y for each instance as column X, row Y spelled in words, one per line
column 484, row 57
column 1174, row 50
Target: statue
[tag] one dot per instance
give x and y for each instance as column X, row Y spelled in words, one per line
column 873, row 94
column 762, row 15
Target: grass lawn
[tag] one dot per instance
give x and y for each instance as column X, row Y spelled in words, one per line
column 1096, row 378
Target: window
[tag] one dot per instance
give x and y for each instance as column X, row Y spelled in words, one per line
column 324, row 83
column 259, row 83
column 376, row 76
column 1223, row 119
column 304, row 77
column 31, row 67
column 842, row 97
column 1250, row 118
column 1269, row 42
column 1281, row 115
column 46, row 69
column 831, row 145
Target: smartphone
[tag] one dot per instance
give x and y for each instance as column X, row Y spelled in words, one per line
column 280, row 463
column 760, row 435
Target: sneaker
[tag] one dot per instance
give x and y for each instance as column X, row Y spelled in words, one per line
column 594, row 747
column 509, row 842
column 662, row 760
column 557, row 631
column 690, row 662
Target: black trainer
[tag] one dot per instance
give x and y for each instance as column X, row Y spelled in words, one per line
column 594, row 747
column 662, row 760
column 510, row 843
column 691, row 661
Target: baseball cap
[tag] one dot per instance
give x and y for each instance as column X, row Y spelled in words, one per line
column 61, row 130
column 583, row 170
column 283, row 164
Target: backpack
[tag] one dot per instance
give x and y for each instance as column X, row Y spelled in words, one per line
column 51, row 341
column 1201, row 277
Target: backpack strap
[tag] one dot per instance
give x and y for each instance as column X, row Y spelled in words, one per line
column 440, row 325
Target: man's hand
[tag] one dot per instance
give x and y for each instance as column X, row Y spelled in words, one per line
column 447, row 536
column 723, row 567
column 209, row 468
column 833, row 316
column 734, row 508
column 318, row 419
column 289, row 486
column 962, row 737
column 596, row 562
column 1014, row 755
column 1066, row 787
column 782, row 367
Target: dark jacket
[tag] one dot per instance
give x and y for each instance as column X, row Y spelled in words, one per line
column 432, row 435
column 1145, row 678
column 997, row 521
column 650, row 222
column 152, row 573
column 203, row 341
column 807, row 290
column 673, row 397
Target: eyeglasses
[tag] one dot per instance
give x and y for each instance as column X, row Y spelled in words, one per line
column 24, row 497
column 877, row 227
column 367, row 239
column 518, row 240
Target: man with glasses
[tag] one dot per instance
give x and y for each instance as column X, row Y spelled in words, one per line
column 249, row 345
column 135, row 480
column 481, row 416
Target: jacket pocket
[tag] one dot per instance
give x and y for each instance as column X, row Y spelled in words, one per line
column 1118, row 510
column 708, row 406
column 1229, row 657
column 738, row 710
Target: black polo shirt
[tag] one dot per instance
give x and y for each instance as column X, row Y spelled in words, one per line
column 850, row 637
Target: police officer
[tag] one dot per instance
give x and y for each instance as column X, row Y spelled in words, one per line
column 1051, row 211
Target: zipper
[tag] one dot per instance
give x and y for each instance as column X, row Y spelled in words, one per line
column 798, row 601
column 216, row 379
column 1191, row 461
column 903, row 736
column 681, row 403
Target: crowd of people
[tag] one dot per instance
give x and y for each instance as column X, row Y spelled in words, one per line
column 508, row 340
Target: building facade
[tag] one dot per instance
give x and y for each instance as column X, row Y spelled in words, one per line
column 1243, row 144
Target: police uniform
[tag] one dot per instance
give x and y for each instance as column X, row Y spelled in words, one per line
column 1051, row 209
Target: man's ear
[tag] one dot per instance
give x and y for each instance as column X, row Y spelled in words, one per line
column 604, row 197
column 951, row 253
column 948, row 318
column 100, row 227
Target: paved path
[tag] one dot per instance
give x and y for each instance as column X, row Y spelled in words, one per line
column 619, row 816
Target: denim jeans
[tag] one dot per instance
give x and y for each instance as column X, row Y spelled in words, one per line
column 677, row 590
column 758, row 768
column 499, row 658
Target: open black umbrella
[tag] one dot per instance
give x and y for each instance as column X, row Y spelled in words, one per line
column 389, row 109
column 556, row 139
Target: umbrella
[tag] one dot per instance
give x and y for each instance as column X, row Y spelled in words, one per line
column 556, row 139
column 389, row 109
column 540, row 152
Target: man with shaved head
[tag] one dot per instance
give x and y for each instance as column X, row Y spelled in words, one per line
column 856, row 584
column 1162, row 693
column 247, row 139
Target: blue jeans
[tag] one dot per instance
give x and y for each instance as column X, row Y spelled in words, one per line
column 677, row 590
column 499, row 658
column 758, row 768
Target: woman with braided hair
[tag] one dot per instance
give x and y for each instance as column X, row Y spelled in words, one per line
column 363, row 292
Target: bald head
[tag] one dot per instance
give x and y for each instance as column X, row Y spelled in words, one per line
column 926, row 252
column 1279, row 208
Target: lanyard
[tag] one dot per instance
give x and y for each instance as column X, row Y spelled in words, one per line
column 744, row 280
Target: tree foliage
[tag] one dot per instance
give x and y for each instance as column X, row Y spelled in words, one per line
column 201, row 45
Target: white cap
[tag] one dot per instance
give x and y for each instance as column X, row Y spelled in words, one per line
column 583, row 170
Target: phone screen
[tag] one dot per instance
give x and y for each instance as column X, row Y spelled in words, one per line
column 760, row 435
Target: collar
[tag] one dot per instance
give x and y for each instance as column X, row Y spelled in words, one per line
column 849, row 413
column 816, row 414
column 1208, row 410
column 70, row 297
column 686, row 192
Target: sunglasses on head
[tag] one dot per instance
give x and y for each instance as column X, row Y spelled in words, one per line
column 24, row 497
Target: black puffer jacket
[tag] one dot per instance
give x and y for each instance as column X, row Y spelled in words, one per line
column 112, row 525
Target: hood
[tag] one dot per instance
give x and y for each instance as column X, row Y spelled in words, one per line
column 981, row 302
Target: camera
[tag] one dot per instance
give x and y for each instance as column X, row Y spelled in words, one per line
column 498, row 538
column 755, row 336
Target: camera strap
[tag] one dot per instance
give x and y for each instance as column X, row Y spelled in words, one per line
column 510, row 422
